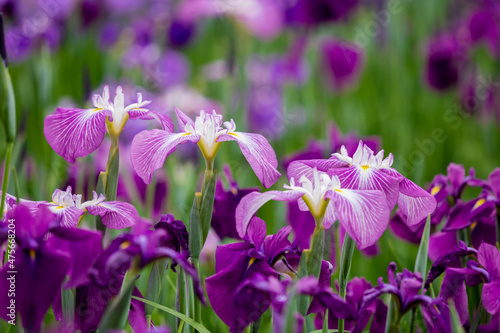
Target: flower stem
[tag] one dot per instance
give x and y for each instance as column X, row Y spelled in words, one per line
column 254, row 328
column 393, row 317
column 345, row 268
column 5, row 181
column 314, row 256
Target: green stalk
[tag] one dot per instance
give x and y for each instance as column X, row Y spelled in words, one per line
column 180, row 297
column 345, row 268
column 254, row 327
column 68, row 306
column 5, row 181
column 393, row 316
column 314, row 255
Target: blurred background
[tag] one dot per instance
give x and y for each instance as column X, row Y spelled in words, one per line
column 420, row 79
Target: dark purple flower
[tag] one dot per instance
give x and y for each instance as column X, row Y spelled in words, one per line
column 350, row 140
column 40, row 266
column 406, row 288
column 180, row 33
column 225, row 202
column 314, row 12
column 238, row 262
column 342, row 63
column 444, row 56
column 90, row 11
column 484, row 26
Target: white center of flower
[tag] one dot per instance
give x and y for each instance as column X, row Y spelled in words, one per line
column 63, row 199
column 365, row 158
column 117, row 107
column 314, row 191
column 209, row 128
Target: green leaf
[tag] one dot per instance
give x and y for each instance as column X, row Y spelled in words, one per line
column 197, row 326
column 456, row 327
column 302, row 300
column 8, row 102
column 116, row 314
column 315, row 256
column 207, row 204
column 195, row 232
column 345, row 268
column 421, row 261
column 17, row 189
column 68, row 305
column 111, row 179
column 155, row 283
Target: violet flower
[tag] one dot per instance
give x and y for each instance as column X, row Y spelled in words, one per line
column 150, row 148
column 342, row 62
column 444, row 56
column 40, row 266
column 405, row 288
column 241, row 261
column 363, row 213
column 74, row 133
column 225, row 202
column 367, row 171
column 315, row 12
column 486, row 271
column 69, row 209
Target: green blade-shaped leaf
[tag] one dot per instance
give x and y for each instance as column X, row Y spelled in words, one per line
column 207, row 204
column 421, row 261
column 195, row 232
column 197, row 326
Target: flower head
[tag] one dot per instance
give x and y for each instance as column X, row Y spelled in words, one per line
column 151, row 148
column 74, row 133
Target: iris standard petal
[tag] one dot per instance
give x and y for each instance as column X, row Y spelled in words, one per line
column 489, row 257
column 364, row 214
column 150, row 149
column 491, row 297
column 415, row 202
column 259, row 154
column 115, row 214
column 257, row 231
column 74, row 133
column 164, row 120
column 250, row 204
column 227, row 254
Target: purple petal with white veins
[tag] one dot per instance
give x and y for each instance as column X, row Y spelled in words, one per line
column 164, row 120
column 491, row 297
column 150, row 149
column 115, row 214
column 357, row 178
column 68, row 216
column 74, row 133
column 330, row 216
column 415, row 202
column 297, row 169
column 182, row 118
column 259, row 154
column 250, row 204
column 364, row 214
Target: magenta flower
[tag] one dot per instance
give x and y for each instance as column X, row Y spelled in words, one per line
column 69, row 208
column 367, row 171
column 363, row 213
column 74, row 133
column 150, row 148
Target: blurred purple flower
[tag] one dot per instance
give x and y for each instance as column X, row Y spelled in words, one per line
column 484, row 26
column 314, row 12
column 444, row 57
column 180, row 33
column 342, row 63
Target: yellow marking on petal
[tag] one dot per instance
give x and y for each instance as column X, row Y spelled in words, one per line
column 98, row 109
column 251, row 261
column 233, row 134
column 365, row 167
column 124, row 245
column 186, row 134
column 435, row 306
column 32, row 254
column 478, row 203
column 473, row 225
column 59, row 207
column 337, row 190
column 435, row 189
column 234, row 191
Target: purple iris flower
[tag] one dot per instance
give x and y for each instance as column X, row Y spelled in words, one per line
column 350, row 140
column 74, row 133
column 486, row 270
column 69, row 209
column 444, row 57
column 237, row 262
column 150, row 148
column 363, row 213
column 180, row 33
column 342, row 62
column 40, row 265
column 225, row 202
column 406, row 287
column 348, row 309
column 483, row 26
column 314, row 12
column 139, row 248
column 367, row 171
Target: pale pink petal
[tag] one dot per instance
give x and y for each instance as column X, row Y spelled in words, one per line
column 150, row 149
column 330, row 216
column 363, row 213
column 115, row 214
column 250, row 204
column 300, row 168
column 415, row 202
column 68, row 216
column 74, row 133
column 259, row 154
column 182, row 118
